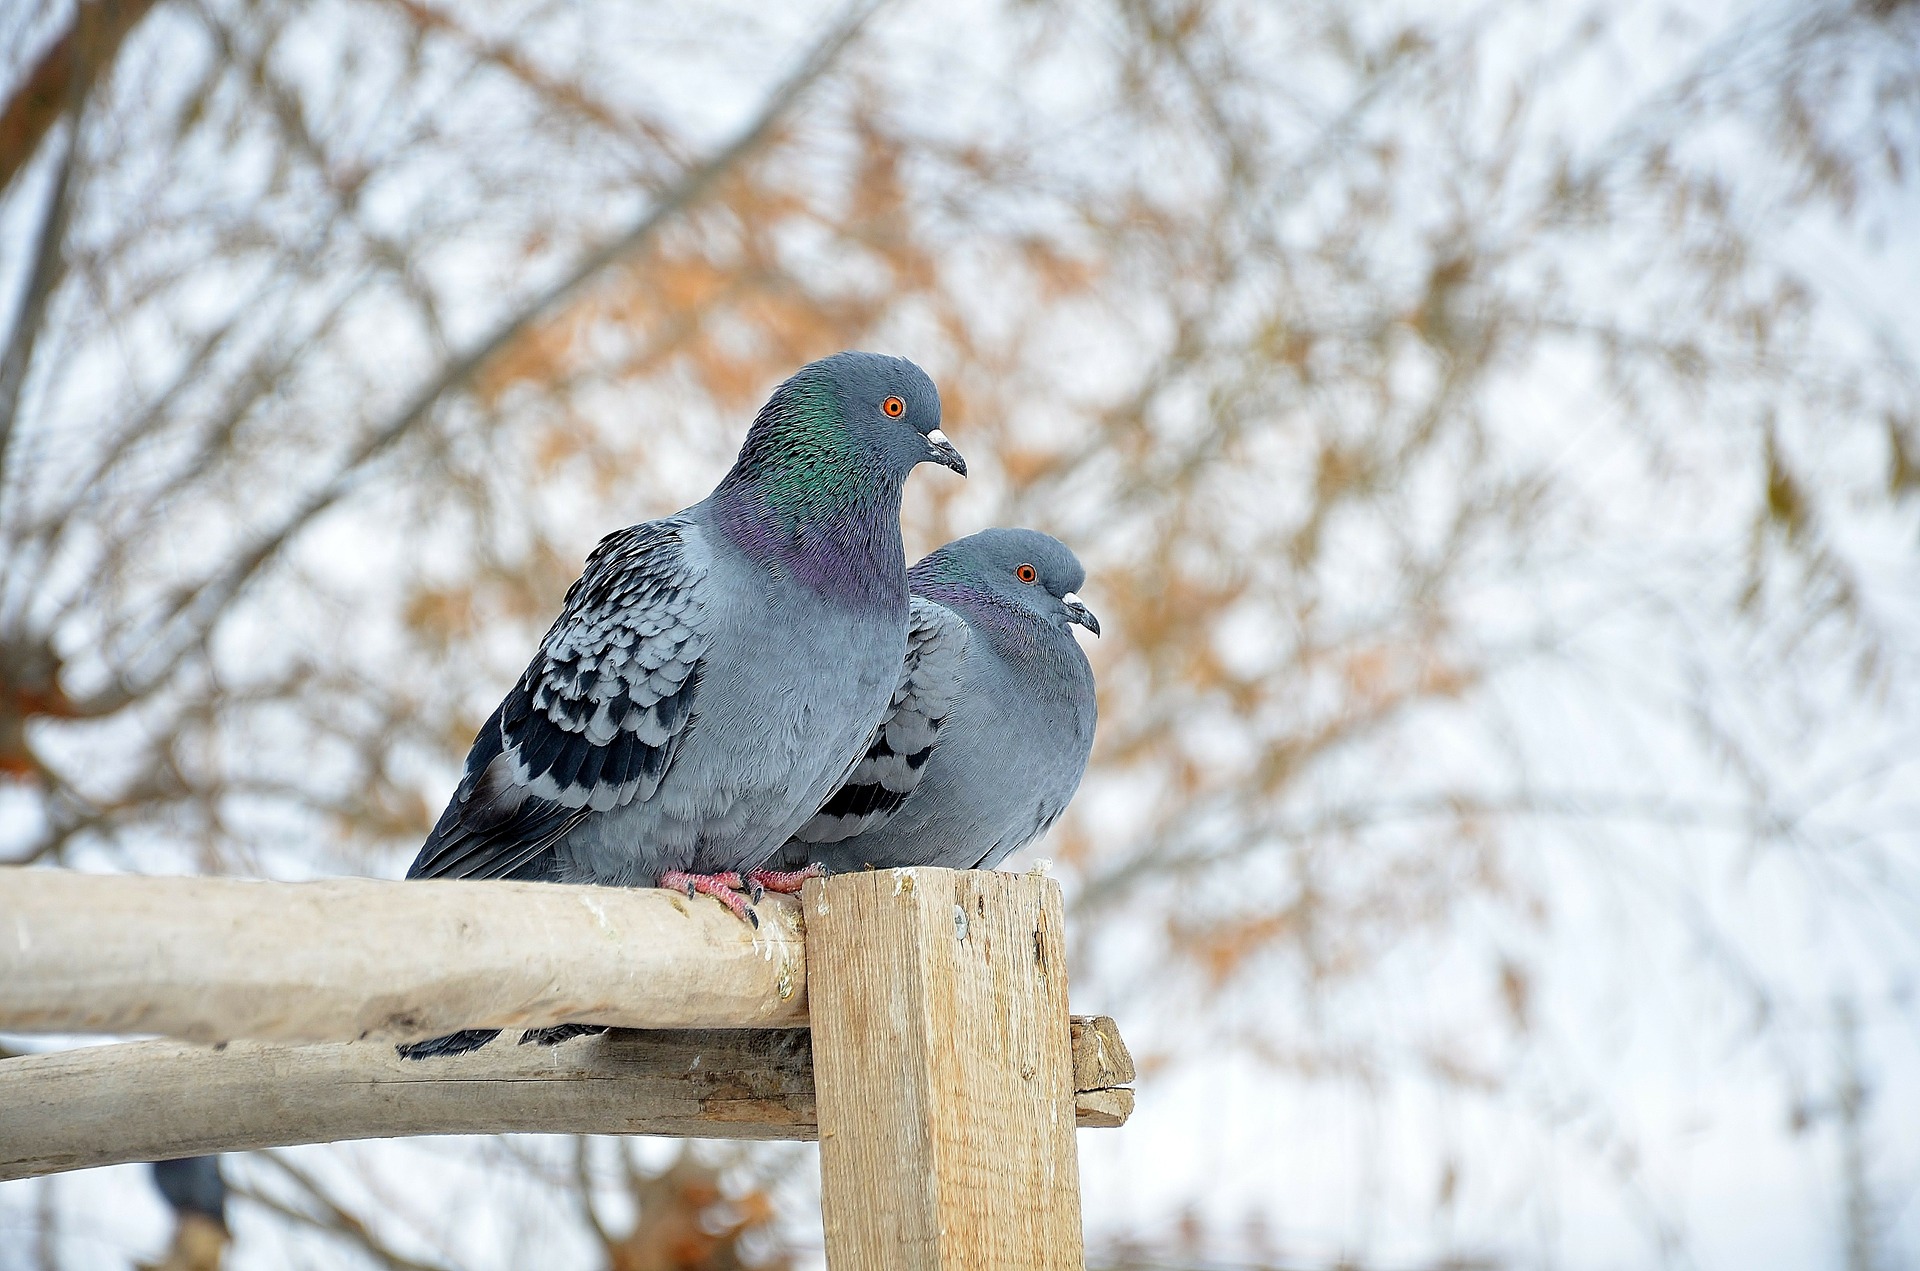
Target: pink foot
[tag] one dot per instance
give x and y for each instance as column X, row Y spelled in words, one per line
column 789, row 881
column 724, row 888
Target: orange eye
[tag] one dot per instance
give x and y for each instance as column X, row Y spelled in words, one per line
column 894, row 407
column 1026, row 573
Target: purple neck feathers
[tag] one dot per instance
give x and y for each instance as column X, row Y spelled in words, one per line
column 847, row 551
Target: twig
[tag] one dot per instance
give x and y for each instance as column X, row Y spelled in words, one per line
column 184, row 627
column 333, row 1218
column 63, row 74
column 48, row 266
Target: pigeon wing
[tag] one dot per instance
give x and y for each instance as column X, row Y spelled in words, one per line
column 884, row 776
column 595, row 721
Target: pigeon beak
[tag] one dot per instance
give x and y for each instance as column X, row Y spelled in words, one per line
column 1077, row 612
column 943, row 452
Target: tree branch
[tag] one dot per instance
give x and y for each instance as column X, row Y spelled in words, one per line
column 64, row 72
column 184, row 628
column 48, row 266
column 333, row 1218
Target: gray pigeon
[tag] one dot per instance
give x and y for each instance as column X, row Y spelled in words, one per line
column 991, row 721
column 192, row 1185
column 714, row 675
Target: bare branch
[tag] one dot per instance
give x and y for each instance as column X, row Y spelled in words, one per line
column 62, row 75
column 333, row 1217
column 196, row 614
column 48, row 266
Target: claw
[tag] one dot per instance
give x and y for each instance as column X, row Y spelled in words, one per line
column 723, row 887
column 787, row 880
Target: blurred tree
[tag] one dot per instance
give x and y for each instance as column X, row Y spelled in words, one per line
column 1488, row 467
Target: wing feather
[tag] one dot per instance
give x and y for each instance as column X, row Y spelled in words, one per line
column 885, row 775
column 594, row 722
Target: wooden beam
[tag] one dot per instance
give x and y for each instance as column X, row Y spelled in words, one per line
column 944, row 1072
column 210, row 959
column 156, row 1100
column 145, row 1101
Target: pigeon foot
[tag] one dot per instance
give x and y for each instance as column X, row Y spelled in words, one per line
column 788, row 881
column 723, row 887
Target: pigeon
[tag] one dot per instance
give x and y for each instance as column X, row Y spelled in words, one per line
column 192, row 1185
column 991, row 721
column 197, row 1195
column 714, row 675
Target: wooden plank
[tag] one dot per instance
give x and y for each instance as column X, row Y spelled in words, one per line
column 212, row 959
column 145, row 1101
column 944, row 1072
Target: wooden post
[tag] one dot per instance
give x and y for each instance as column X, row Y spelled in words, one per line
column 944, row 1073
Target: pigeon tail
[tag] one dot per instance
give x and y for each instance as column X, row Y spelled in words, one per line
column 560, row 1033
column 452, row 1044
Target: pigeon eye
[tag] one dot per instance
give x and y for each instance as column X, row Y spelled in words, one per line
column 894, row 407
column 1026, row 573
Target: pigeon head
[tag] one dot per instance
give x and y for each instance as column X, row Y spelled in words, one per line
column 1011, row 571
column 816, row 490
column 891, row 408
column 843, row 431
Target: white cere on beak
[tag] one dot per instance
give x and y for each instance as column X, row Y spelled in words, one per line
column 1070, row 598
column 937, row 437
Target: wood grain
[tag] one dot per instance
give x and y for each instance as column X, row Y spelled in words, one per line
column 156, row 1100
column 1104, row 1109
column 943, row 1071
column 144, row 1101
column 1100, row 1056
column 211, row 959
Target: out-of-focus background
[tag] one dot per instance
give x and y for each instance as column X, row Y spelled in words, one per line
column 1492, row 430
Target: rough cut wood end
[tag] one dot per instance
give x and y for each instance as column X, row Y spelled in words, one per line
column 1106, row 1109
column 1102, row 1074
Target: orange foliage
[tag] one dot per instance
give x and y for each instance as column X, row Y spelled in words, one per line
column 688, row 1223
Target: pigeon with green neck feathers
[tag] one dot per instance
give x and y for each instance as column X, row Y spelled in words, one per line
column 714, row 675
